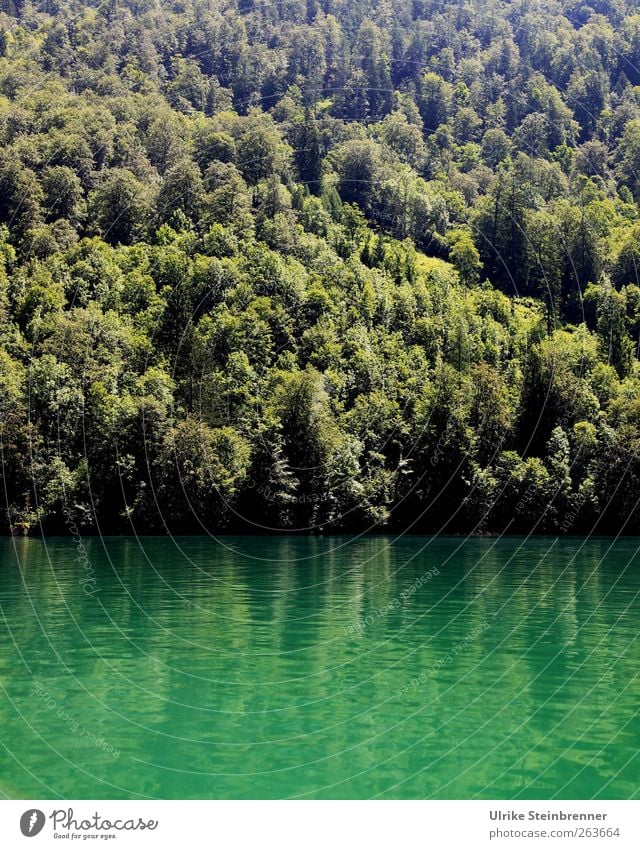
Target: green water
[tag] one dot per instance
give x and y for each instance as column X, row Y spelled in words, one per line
column 338, row 667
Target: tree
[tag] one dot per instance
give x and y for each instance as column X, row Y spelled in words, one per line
column 181, row 190
column 308, row 153
column 495, row 147
column 628, row 156
column 210, row 145
column 119, row 207
column 260, row 150
column 63, row 195
column 615, row 345
column 434, row 101
column 204, row 469
column 501, row 222
column 358, row 164
column 464, row 256
column 20, row 196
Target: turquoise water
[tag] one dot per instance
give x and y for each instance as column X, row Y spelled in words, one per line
column 319, row 668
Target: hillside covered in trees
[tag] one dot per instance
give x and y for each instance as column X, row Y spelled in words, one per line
column 319, row 265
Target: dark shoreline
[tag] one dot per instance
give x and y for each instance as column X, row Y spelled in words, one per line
column 397, row 534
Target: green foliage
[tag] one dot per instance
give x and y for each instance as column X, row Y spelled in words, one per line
column 323, row 265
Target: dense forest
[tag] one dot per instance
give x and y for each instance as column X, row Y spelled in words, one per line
column 324, row 265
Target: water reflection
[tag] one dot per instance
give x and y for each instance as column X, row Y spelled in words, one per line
column 279, row 667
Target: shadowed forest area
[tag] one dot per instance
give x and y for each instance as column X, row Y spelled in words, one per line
column 319, row 266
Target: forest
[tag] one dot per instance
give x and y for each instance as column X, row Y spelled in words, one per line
column 319, row 266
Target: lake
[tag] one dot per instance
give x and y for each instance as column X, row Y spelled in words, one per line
column 338, row 667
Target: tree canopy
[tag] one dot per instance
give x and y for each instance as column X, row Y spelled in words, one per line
column 325, row 265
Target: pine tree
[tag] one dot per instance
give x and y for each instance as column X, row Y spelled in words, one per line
column 308, row 153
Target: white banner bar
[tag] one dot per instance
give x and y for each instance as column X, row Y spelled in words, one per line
column 320, row 825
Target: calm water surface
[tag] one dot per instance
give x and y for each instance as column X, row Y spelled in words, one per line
column 320, row 668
